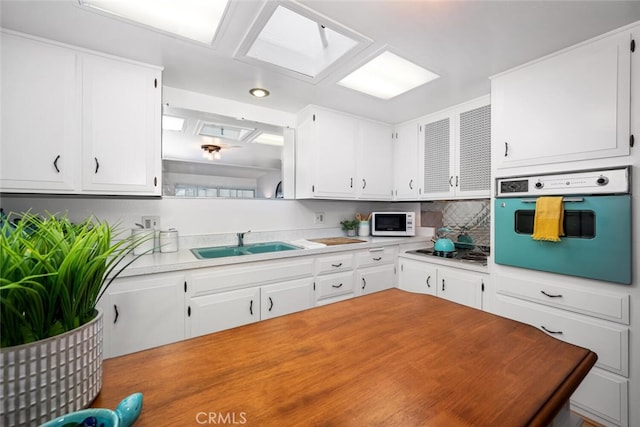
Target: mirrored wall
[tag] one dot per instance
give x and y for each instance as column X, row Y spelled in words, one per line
column 211, row 155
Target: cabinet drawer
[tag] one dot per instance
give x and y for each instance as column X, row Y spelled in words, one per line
column 334, row 284
column 211, row 280
column 376, row 256
column 604, row 305
column 603, row 396
column 335, row 263
column 608, row 340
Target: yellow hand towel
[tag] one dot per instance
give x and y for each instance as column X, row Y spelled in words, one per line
column 547, row 223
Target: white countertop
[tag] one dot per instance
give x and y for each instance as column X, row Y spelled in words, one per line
column 184, row 259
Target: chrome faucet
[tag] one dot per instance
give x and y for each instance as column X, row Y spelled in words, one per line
column 241, row 237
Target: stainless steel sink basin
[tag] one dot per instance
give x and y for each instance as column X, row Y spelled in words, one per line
column 256, row 248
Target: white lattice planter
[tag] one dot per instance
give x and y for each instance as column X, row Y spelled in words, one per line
column 48, row 378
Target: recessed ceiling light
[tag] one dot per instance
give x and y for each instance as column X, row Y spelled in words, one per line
column 259, row 92
column 386, row 76
column 192, row 19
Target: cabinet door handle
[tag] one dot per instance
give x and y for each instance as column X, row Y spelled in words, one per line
column 506, row 148
column 337, row 265
column 551, row 295
column 442, row 285
column 270, row 303
column 550, row 331
column 337, row 286
column 364, row 283
column 251, row 307
column 350, row 182
column 450, row 179
column 411, row 185
column 55, row 163
column 457, row 179
column 377, row 259
column 428, row 284
column 97, row 164
column 115, row 319
column 364, row 183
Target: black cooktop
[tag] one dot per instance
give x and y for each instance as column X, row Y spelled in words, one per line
column 471, row 255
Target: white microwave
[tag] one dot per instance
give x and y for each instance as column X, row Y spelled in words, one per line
column 393, row 224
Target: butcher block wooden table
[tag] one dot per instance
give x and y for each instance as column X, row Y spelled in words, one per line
column 391, row 358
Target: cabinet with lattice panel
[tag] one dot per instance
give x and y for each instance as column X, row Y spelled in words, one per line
column 455, row 152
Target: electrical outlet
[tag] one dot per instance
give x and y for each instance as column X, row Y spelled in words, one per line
column 319, row 218
column 151, row 222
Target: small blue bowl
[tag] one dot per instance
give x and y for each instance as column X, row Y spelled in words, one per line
column 126, row 413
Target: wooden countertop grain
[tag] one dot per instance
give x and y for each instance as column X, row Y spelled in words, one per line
column 391, row 358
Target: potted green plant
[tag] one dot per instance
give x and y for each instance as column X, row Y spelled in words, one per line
column 349, row 226
column 53, row 272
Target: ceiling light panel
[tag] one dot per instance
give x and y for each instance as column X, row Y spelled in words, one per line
column 269, row 139
column 172, row 123
column 193, row 19
column 387, row 76
column 298, row 41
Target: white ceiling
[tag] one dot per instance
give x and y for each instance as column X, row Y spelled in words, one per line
column 463, row 41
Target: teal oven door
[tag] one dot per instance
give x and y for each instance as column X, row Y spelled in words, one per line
column 596, row 245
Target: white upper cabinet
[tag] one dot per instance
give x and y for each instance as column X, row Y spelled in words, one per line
column 455, row 152
column 339, row 156
column 121, row 126
column 75, row 122
column 573, row 105
column 405, row 161
column 40, row 116
column 326, row 155
column 375, row 151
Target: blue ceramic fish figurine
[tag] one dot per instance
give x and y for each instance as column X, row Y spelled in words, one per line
column 128, row 410
column 125, row 414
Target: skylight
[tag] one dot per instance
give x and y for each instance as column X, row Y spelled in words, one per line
column 193, row 19
column 298, row 41
column 387, row 76
column 223, row 131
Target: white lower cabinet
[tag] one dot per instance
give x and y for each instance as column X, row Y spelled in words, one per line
column 460, row 286
column 604, row 397
column 147, row 311
column 375, row 279
column 582, row 317
column 142, row 312
column 417, row 276
column 225, row 310
column 225, row 297
column 285, row 298
column 376, row 270
column 457, row 285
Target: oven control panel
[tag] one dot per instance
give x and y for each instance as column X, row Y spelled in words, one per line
column 609, row 181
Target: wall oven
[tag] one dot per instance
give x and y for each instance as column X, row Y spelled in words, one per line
column 597, row 224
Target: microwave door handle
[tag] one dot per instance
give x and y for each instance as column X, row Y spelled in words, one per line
column 566, row 199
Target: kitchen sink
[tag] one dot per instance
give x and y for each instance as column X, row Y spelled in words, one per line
column 256, row 248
